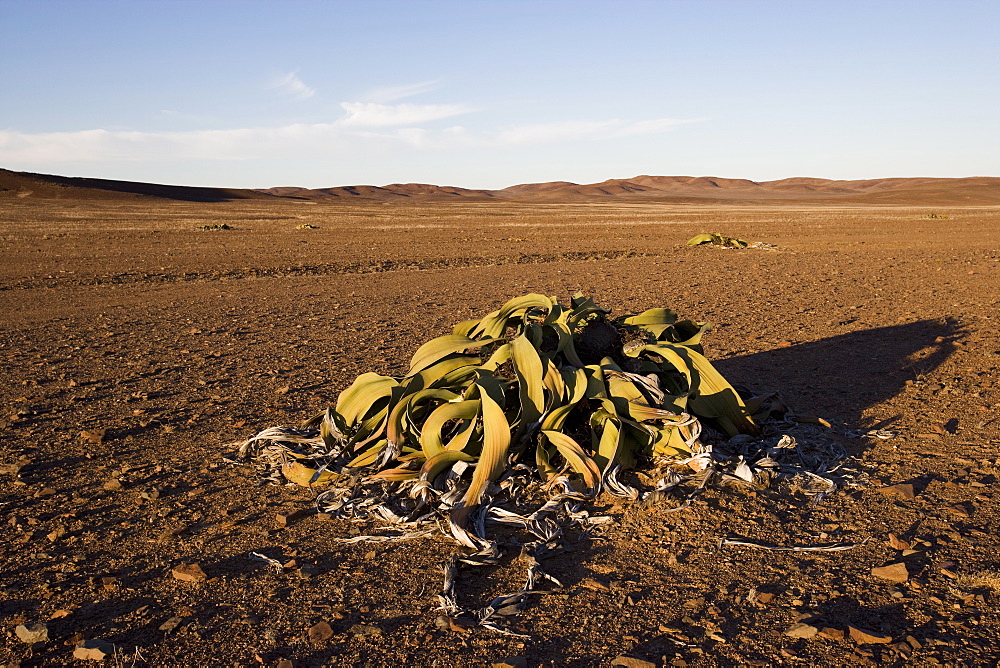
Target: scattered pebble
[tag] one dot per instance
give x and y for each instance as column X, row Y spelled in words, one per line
column 631, row 662
column 893, row 572
column 864, row 637
column 171, row 624
column 511, row 662
column 93, row 650
column 901, row 490
column 95, row 436
column 282, row 520
column 319, row 633
column 32, row 633
column 800, row 630
column 365, row 630
column 189, row 573
column 897, row 543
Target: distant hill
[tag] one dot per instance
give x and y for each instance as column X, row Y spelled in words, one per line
column 649, row 189
column 47, row 186
column 394, row 192
column 914, row 191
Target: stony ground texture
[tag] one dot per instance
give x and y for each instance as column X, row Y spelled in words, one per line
column 135, row 347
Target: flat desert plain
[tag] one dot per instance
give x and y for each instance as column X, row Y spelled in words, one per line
column 136, row 348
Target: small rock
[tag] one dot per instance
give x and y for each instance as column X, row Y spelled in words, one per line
column 511, row 662
column 309, row 570
column 897, row 543
column 171, row 624
column 801, row 630
column 893, row 572
column 901, row 490
column 95, row 436
column 765, row 597
column 365, row 630
column 443, row 622
column 863, row 637
column 461, row 624
column 112, row 485
column 282, row 520
column 189, row 573
column 831, row 633
column 593, row 585
column 961, row 509
column 319, row 633
column 631, row 662
column 11, row 469
column 93, row 650
column 285, row 663
column 32, row 633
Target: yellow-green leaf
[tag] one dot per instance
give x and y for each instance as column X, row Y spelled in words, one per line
column 435, row 349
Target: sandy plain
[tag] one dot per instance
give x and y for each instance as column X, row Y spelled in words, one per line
column 123, row 317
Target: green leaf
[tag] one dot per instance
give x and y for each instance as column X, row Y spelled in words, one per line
column 492, row 461
column 494, row 324
column 430, row 436
column 653, row 316
column 433, row 466
column 442, row 346
column 711, row 395
column 531, row 390
column 437, row 375
column 609, row 445
column 367, row 457
column 395, row 432
column 577, row 459
column 357, row 400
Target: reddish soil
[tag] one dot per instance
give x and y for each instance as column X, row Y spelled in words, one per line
column 136, row 347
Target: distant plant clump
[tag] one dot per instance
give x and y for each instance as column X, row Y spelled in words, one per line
column 223, row 226
column 722, row 241
column 307, row 226
column 717, row 239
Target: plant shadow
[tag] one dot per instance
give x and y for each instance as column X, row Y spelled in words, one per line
column 841, row 377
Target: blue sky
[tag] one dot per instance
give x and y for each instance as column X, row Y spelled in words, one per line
column 489, row 93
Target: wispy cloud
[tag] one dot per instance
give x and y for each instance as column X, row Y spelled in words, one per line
column 290, row 84
column 365, row 127
column 373, row 115
column 393, row 93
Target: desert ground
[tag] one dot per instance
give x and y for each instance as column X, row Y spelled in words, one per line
column 136, row 347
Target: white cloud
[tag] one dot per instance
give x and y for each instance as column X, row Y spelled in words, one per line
column 373, row 115
column 290, row 84
column 366, row 127
column 392, row 93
